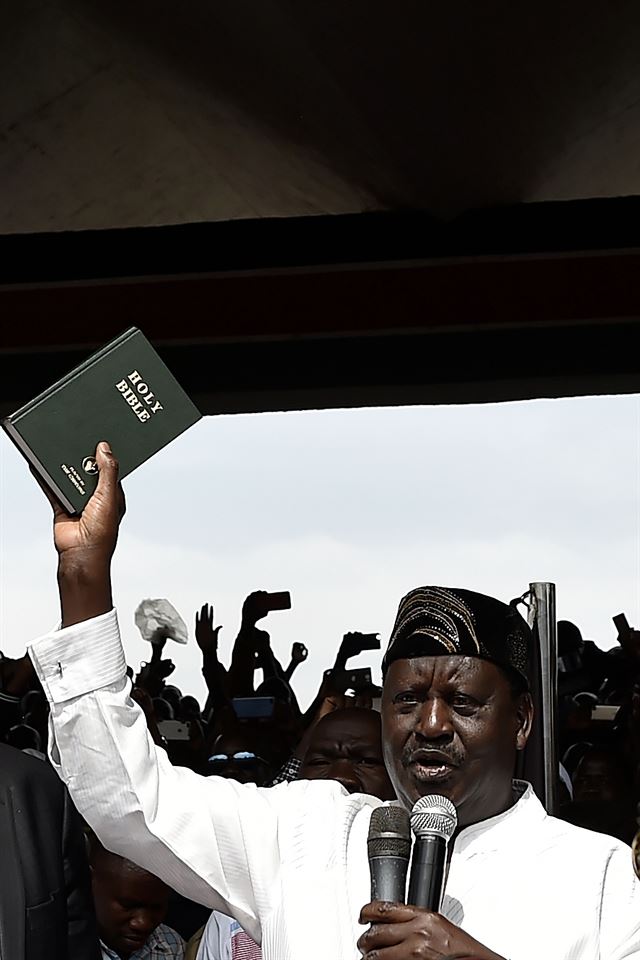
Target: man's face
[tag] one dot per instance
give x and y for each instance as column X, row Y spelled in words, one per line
column 346, row 746
column 129, row 902
column 451, row 726
column 597, row 779
column 238, row 759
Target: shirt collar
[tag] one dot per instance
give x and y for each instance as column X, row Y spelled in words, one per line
column 496, row 831
column 155, row 941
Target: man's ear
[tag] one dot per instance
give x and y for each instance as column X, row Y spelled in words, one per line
column 524, row 716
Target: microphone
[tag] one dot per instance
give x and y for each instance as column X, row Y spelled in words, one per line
column 389, row 848
column 433, row 820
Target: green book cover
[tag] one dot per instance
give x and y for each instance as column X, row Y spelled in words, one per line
column 125, row 394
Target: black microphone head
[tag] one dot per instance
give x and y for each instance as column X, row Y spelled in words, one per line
column 434, row 815
column 389, row 833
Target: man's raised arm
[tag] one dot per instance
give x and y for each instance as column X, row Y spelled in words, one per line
column 193, row 832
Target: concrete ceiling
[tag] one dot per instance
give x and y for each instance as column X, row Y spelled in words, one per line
column 119, row 113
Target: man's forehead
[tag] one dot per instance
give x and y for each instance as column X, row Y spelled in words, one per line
column 362, row 726
column 440, row 667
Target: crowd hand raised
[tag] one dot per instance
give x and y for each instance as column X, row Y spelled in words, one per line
column 153, row 674
column 206, row 633
column 255, row 608
column 351, row 645
column 262, row 648
column 398, row 932
column 299, row 654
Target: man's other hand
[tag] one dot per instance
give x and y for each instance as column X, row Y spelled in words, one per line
column 398, row 932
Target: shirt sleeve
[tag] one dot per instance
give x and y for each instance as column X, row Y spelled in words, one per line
column 620, row 911
column 213, row 840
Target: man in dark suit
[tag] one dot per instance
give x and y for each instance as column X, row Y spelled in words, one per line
column 46, row 908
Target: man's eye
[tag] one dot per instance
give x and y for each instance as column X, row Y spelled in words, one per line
column 463, row 703
column 317, row 762
column 406, row 697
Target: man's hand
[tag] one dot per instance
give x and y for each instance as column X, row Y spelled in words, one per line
column 399, row 932
column 85, row 545
column 206, row 633
column 95, row 531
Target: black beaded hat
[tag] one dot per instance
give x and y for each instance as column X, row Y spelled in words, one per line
column 448, row 620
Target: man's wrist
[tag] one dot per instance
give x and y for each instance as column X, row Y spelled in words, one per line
column 84, row 582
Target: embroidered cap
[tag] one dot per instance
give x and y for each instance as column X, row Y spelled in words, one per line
column 448, row 620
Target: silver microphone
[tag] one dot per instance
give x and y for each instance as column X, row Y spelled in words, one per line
column 433, row 821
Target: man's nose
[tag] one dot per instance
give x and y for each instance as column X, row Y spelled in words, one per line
column 344, row 773
column 143, row 922
column 434, row 721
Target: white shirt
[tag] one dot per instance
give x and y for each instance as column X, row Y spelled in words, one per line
column 290, row 862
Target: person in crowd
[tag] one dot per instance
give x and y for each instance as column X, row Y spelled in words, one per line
column 24, row 737
column 171, row 693
column 45, row 893
column 346, row 746
column 35, row 713
column 456, row 710
column 602, row 795
column 131, row 906
column 236, row 755
column 162, row 709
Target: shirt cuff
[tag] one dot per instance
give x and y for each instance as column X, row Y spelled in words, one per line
column 79, row 659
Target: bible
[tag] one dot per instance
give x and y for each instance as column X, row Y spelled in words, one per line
column 123, row 393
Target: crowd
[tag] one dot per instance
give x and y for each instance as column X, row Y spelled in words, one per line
column 252, row 729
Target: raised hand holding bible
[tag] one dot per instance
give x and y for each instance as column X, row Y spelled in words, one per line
column 85, row 544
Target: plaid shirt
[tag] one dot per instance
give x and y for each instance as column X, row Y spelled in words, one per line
column 163, row 944
column 288, row 772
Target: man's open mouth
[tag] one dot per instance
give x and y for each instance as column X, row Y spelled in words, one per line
column 431, row 772
column 430, row 766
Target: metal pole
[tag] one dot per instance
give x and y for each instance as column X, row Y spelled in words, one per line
column 542, row 620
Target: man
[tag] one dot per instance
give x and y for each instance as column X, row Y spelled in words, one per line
column 602, row 795
column 289, row 863
column 235, row 755
column 346, row 746
column 45, row 893
column 131, row 905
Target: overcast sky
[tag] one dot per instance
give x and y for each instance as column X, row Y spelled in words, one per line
column 348, row 510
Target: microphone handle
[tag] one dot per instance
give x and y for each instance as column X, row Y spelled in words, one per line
column 388, row 878
column 426, row 884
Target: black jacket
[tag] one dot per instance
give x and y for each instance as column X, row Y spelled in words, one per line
column 46, row 910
